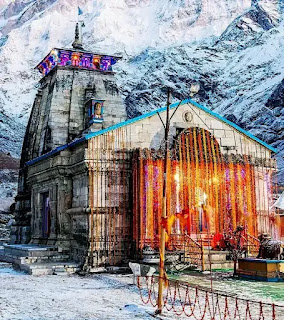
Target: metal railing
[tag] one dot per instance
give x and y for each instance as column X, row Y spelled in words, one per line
column 252, row 244
column 193, row 254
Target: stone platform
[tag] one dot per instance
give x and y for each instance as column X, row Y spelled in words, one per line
column 38, row 259
column 217, row 259
column 261, row 269
column 179, row 260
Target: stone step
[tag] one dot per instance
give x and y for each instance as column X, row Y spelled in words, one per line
column 212, row 255
column 209, row 250
column 39, row 259
column 215, row 259
column 51, row 268
column 29, row 250
column 218, row 259
column 44, row 259
column 221, row 265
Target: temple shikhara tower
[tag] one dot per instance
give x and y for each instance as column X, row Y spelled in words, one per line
column 91, row 180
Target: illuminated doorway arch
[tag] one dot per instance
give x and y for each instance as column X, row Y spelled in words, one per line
column 201, row 180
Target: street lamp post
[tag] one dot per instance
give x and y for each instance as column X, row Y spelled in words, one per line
column 164, row 212
column 195, row 87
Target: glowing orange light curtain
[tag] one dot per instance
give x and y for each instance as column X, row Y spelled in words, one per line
column 208, row 194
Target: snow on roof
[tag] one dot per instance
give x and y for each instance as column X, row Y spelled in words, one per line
column 279, row 202
column 144, row 116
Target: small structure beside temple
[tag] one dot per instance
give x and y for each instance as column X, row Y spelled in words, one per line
column 90, row 184
column 269, row 263
column 261, row 269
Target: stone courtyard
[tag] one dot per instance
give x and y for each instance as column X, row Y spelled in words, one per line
column 102, row 296
column 24, row 297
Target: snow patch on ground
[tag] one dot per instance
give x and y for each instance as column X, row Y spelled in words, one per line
column 101, row 296
column 98, row 297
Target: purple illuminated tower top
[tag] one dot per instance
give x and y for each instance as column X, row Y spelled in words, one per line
column 76, row 57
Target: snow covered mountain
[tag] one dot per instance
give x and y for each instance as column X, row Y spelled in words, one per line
column 30, row 28
column 241, row 73
column 234, row 48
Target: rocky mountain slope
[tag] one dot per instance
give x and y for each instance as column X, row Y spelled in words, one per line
column 9, row 168
column 241, row 73
column 234, row 48
column 30, row 28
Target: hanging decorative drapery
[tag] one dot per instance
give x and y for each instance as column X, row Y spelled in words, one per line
column 208, row 193
column 109, row 197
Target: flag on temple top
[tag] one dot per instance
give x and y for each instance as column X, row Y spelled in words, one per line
column 80, row 11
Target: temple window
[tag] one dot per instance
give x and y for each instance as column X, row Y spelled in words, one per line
column 96, row 63
column 106, row 65
column 49, row 62
column 75, row 59
column 45, row 67
column 86, row 61
column 95, row 110
column 41, row 69
column 64, row 59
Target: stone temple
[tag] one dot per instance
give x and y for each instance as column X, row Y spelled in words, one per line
column 90, row 182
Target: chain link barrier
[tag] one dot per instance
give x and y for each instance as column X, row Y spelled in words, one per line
column 200, row 303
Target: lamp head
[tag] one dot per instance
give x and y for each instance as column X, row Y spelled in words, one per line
column 194, row 88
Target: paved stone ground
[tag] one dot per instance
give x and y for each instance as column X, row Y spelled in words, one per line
column 271, row 292
column 97, row 297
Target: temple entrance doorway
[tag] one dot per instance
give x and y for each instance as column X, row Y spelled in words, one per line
column 45, row 215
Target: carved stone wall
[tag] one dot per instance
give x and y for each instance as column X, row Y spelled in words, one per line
column 57, row 118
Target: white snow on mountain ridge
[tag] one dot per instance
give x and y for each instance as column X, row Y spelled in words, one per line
column 31, row 28
column 239, row 74
column 234, row 50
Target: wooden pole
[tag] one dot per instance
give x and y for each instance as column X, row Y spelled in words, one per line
column 164, row 212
